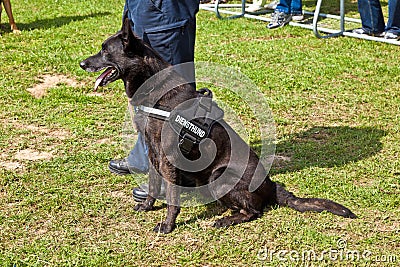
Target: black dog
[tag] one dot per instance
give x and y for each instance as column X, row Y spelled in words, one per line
column 124, row 56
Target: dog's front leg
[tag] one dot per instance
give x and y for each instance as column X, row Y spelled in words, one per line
column 154, row 191
column 173, row 209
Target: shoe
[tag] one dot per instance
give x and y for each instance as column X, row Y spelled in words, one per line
column 140, row 193
column 362, row 31
column 392, row 36
column 279, row 19
column 121, row 167
column 297, row 17
column 272, row 5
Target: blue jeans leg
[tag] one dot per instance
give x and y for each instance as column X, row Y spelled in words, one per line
column 393, row 24
column 284, row 6
column 137, row 158
column 296, row 7
column 371, row 16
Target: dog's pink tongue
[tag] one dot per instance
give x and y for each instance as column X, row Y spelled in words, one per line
column 101, row 78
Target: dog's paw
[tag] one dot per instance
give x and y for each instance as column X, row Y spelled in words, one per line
column 143, row 207
column 222, row 223
column 164, row 228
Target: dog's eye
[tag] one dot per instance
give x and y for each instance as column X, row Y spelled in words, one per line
column 104, row 50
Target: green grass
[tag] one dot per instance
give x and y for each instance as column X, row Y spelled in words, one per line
column 336, row 104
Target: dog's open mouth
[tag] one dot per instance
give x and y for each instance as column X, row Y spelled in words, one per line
column 109, row 75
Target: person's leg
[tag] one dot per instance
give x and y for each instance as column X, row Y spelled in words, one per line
column 296, row 9
column 7, row 7
column 174, row 40
column 1, row 9
column 137, row 158
column 393, row 24
column 170, row 29
column 284, row 6
column 371, row 17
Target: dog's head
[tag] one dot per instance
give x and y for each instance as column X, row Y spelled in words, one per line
column 122, row 56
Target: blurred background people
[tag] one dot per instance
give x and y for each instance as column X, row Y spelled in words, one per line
column 373, row 22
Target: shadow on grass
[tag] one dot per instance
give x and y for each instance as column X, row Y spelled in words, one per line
column 328, row 7
column 333, row 7
column 326, row 147
column 58, row 21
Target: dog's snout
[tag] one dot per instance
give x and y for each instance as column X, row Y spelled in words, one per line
column 83, row 64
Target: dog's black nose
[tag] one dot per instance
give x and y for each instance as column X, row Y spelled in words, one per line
column 83, row 64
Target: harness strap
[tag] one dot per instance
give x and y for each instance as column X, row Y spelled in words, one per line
column 155, row 112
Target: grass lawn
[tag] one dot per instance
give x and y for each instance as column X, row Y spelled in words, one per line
column 336, row 106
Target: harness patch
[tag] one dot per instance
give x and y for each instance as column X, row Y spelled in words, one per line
column 193, row 119
column 190, row 126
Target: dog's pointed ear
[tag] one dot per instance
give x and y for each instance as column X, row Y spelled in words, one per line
column 126, row 29
column 130, row 41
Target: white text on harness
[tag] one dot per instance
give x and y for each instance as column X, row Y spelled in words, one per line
column 190, row 126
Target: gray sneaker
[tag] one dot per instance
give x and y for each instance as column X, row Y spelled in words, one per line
column 279, row 19
column 362, row 31
column 392, row 36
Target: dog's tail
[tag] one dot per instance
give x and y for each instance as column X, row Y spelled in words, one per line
column 286, row 198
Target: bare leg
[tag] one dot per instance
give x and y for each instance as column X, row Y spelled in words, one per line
column 7, row 7
column 1, row 9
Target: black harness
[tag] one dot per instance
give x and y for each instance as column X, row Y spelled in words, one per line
column 192, row 121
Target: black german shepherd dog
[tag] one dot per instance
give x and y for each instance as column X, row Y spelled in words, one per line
column 124, row 56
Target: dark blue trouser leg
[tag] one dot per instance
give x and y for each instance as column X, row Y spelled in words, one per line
column 137, row 157
column 169, row 27
column 371, row 16
column 393, row 24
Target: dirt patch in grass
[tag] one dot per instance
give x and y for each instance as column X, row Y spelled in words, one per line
column 122, row 195
column 105, row 141
column 11, row 165
column 14, row 157
column 16, row 163
column 45, row 132
column 95, row 94
column 51, row 81
column 33, row 155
